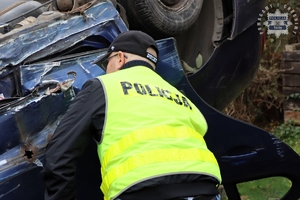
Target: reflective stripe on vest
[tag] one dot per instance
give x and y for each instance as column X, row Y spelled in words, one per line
column 187, row 153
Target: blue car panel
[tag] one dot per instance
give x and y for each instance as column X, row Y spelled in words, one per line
column 246, row 13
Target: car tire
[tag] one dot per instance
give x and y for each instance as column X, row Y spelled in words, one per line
column 161, row 18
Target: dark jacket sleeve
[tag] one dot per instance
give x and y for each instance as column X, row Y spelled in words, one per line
column 83, row 120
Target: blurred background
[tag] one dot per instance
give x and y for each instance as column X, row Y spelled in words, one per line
column 272, row 100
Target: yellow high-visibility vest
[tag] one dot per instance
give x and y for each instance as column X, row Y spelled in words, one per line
column 151, row 130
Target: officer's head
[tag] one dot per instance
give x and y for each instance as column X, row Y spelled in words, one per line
column 128, row 46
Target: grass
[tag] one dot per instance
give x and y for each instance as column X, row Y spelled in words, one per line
column 296, row 148
column 270, row 188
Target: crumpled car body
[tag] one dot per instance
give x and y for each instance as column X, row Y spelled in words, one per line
column 43, row 67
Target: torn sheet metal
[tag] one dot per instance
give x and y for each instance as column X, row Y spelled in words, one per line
column 7, row 82
column 48, row 89
column 26, row 127
column 59, row 74
column 55, row 35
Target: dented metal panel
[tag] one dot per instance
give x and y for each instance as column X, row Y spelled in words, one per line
column 56, row 73
column 30, row 125
column 37, row 95
column 48, row 89
column 60, row 32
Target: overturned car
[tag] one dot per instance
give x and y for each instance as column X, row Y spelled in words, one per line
column 209, row 49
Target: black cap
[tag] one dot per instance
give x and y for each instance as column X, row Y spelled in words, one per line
column 135, row 42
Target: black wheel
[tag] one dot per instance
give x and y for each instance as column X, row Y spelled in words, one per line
column 161, row 18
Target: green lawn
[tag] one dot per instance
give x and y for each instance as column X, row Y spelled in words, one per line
column 270, row 188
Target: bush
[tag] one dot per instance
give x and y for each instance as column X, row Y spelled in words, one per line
column 288, row 132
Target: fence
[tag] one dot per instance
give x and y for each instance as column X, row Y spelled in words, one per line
column 291, row 82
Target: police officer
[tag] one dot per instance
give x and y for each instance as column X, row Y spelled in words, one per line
column 149, row 135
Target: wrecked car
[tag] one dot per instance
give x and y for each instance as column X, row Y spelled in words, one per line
column 47, row 50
